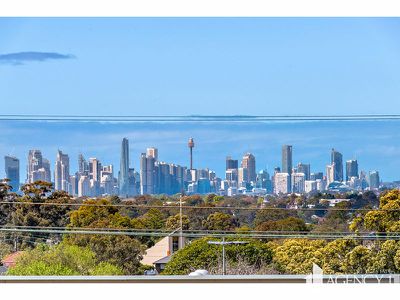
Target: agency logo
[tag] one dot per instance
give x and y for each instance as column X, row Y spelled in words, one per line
column 318, row 277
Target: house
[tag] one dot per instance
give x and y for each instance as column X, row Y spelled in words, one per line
column 9, row 261
column 160, row 254
column 159, row 265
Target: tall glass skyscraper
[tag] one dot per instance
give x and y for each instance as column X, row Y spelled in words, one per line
column 374, row 180
column 12, row 171
column 337, row 160
column 231, row 163
column 123, row 180
column 351, row 169
column 287, row 162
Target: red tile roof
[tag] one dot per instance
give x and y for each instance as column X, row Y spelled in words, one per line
column 10, row 260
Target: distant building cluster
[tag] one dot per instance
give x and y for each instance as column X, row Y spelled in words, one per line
column 158, row 177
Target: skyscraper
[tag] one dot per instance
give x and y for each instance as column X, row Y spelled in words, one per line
column 163, row 178
column 287, row 161
column 231, row 175
column 304, row 168
column 287, row 164
column 337, row 161
column 298, row 184
column 243, row 177
column 374, row 180
column 316, row 175
column 61, row 172
column 123, row 180
column 95, row 169
column 38, row 168
column 177, row 178
column 281, row 183
column 84, row 186
column 35, row 162
column 147, row 174
column 11, row 165
column 231, row 163
column 310, row 186
column 264, row 181
column 46, row 170
column 131, row 183
column 249, row 163
column 152, row 152
column 74, row 180
column 83, row 166
column 330, row 173
column 351, row 169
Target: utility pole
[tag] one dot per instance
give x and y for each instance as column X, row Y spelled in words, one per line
column 223, row 257
column 15, row 242
column 181, row 223
column 223, row 243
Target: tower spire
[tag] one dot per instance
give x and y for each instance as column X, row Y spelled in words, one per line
column 191, row 146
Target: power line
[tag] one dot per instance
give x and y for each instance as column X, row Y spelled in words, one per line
column 194, row 207
column 194, row 118
column 205, row 231
column 323, row 236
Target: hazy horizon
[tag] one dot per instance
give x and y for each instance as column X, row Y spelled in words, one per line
column 374, row 143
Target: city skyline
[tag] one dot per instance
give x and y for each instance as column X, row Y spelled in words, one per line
column 375, row 145
column 93, row 178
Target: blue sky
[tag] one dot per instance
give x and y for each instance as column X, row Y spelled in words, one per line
column 203, row 66
column 184, row 66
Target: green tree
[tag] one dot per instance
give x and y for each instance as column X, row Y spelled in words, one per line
column 336, row 219
column 173, row 222
column 40, row 206
column 201, row 255
column 5, row 249
column 219, row 221
column 61, row 260
column 122, row 250
column 385, row 219
column 37, row 191
column 153, row 219
column 334, row 255
column 297, row 256
column 385, row 261
column 358, row 261
column 272, row 214
column 98, row 213
column 287, row 224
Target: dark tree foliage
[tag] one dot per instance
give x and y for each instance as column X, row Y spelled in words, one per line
column 220, row 221
column 271, row 214
column 288, row 224
column 39, row 206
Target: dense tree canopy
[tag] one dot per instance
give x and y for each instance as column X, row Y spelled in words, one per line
column 287, row 224
column 173, row 222
column 201, row 255
column 62, row 260
column 122, row 250
column 109, row 253
column 220, row 221
column 385, row 219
